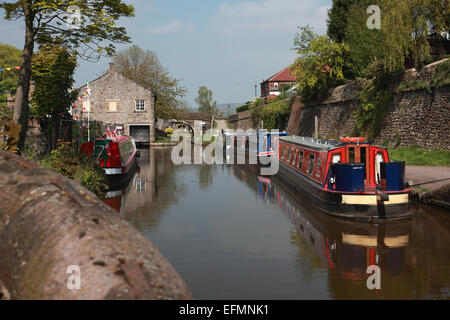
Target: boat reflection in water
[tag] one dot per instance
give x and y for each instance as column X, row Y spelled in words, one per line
column 135, row 191
column 347, row 248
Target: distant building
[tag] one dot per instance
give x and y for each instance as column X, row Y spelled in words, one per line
column 273, row 85
column 119, row 101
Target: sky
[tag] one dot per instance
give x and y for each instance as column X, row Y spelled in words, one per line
column 225, row 45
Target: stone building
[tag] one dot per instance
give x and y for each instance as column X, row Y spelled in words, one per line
column 119, row 101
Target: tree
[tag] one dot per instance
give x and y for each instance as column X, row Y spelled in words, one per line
column 205, row 101
column 144, row 67
column 53, row 68
column 50, row 21
column 9, row 58
column 320, row 64
column 337, row 20
column 402, row 38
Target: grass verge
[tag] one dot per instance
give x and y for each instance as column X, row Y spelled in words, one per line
column 418, row 157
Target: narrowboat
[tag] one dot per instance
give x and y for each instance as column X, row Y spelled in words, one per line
column 260, row 144
column 348, row 179
column 117, row 157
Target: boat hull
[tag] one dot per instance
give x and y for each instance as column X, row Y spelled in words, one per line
column 360, row 207
column 116, row 180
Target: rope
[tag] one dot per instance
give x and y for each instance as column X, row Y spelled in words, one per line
column 420, row 184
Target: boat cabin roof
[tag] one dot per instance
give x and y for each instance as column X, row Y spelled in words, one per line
column 312, row 143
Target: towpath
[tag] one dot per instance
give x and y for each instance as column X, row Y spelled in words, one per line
column 436, row 192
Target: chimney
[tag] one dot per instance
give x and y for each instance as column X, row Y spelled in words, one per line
column 112, row 68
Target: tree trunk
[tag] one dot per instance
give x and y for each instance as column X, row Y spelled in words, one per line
column 23, row 89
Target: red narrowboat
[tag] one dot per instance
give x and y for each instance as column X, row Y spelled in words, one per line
column 116, row 156
column 347, row 179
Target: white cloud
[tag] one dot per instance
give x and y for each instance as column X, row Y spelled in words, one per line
column 269, row 16
column 173, row 27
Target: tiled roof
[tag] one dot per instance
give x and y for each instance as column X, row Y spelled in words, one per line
column 283, row 75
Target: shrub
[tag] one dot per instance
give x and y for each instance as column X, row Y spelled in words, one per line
column 168, row 131
column 76, row 167
column 243, row 108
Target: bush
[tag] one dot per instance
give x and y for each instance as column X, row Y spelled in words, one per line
column 275, row 115
column 243, row 108
column 76, row 167
column 168, row 131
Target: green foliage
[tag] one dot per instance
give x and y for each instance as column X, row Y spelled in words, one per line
column 320, row 64
column 337, row 20
column 5, row 111
column 205, row 101
column 9, row 58
column 243, row 108
column 97, row 23
column 401, row 39
column 274, row 115
column 440, row 75
column 144, row 68
column 76, row 167
column 420, row 157
column 375, row 97
column 53, row 68
column 9, row 138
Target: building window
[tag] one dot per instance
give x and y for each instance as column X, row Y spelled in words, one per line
column 112, row 106
column 275, row 84
column 140, row 105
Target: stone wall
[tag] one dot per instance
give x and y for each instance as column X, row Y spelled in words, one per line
column 123, row 92
column 241, row 120
column 418, row 117
column 50, row 224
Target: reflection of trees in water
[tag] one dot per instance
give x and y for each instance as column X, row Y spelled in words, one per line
column 413, row 255
column 205, row 176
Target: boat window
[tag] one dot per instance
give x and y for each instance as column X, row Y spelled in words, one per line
column 336, row 158
column 351, row 155
column 300, row 160
column 282, row 152
column 364, row 160
column 127, row 149
column 310, row 169
column 319, row 168
column 289, row 155
column 294, row 157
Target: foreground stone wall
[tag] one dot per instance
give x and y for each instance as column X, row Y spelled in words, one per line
column 49, row 223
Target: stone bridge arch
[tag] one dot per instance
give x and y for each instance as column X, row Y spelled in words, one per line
column 183, row 124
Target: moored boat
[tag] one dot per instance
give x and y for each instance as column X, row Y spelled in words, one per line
column 347, row 179
column 117, row 157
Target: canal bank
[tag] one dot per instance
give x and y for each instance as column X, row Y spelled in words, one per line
column 431, row 185
column 59, row 241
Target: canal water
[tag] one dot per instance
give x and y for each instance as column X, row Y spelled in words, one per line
column 232, row 234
